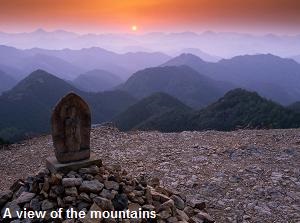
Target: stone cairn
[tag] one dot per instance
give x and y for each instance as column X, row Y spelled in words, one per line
column 76, row 179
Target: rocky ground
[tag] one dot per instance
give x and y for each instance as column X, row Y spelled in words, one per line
column 244, row 176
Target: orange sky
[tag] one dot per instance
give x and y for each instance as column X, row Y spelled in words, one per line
column 281, row 16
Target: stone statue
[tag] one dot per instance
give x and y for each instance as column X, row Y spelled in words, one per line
column 72, row 130
column 71, row 126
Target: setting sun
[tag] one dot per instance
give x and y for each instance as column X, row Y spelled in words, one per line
column 134, row 28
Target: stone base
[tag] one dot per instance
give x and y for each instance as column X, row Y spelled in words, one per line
column 73, row 156
column 54, row 166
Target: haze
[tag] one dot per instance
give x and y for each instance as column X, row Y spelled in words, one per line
column 252, row 16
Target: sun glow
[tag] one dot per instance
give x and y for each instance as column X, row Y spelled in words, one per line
column 134, row 28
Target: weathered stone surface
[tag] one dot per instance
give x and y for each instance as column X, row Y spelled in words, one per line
column 194, row 219
column 159, row 197
column 90, row 170
column 120, row 202
column 71, row 182
column 82, row 205
column 167, row 205
column 189, row 211
column 25, row 197
column 58, row 189
column 204, row 217
column 164, row 214
column 93, row 186
column 55, row 179
column 60, row 202
column 46, row 185
column 134, row 207
column 148, row 207
column 46, row 205
column 108, row 194
column 5, row 196
column 69, row 199
column 35, row 204
column 195, row 203
column 54, row 166
column 71, row 126
column 183, row 216
column 85, row 197
column 111, row 185
column 43, row 172
column 71, row 191
column 179, row 203
column 173, row 220
column 16, row 185
column 104, row 203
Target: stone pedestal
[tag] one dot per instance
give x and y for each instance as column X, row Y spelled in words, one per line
column 54, row 166
column 72, row 156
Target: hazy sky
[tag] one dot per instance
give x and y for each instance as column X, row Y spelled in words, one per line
column 262, row 16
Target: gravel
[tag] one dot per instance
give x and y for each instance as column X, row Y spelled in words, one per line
column 243, row 176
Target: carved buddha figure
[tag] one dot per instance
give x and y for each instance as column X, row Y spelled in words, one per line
column 71, row 126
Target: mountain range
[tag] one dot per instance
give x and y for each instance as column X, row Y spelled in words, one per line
column 26, row 108
column 96, row 81
column 68, row 64
column 222, row 44
column 246, row 110
column 182, row 82
column 238, row 109
column 199, row 53
column 144, row 113
column 19, row 63
column 271, row 76
column 97, row 58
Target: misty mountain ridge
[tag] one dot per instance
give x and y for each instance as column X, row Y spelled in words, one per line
column 170, row 90
column 199, row 53
column 96, row 81
column 188, row 59
column 273, row 77
column 18, row 63
column 264, row 73
column 222, row 44
column 238, row 109
column 68, row 64
column 181, row 82
column 39, row 82
column 296, row 58
column 141, row 114
column 241, row 109
column 98, row 58
column 6, row 82
column 26, row 108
